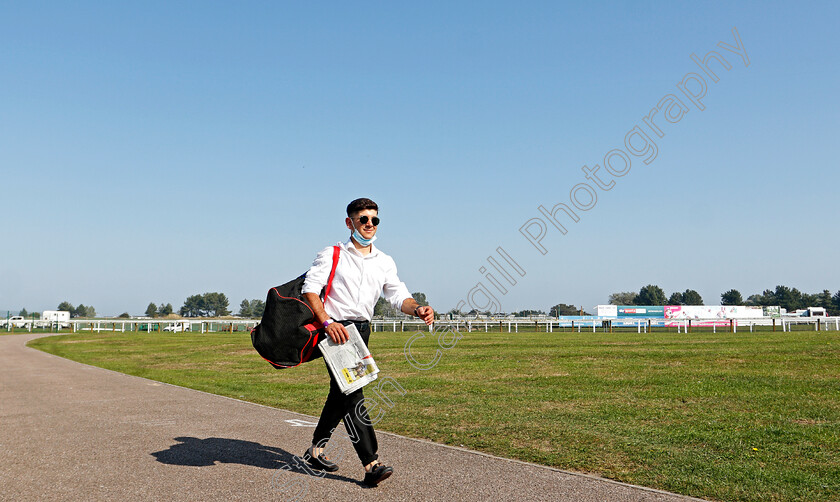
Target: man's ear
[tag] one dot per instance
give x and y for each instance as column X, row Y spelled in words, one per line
column 349, row 223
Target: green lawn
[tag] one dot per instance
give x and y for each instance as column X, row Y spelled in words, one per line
column 746, row 416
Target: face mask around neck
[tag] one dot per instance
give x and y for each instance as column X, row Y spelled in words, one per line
column 361, row 240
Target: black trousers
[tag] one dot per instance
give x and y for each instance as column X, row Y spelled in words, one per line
column 344, row 407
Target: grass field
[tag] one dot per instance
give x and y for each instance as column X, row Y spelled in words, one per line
column 746, row 416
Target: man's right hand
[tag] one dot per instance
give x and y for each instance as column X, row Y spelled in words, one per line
column 337, row 332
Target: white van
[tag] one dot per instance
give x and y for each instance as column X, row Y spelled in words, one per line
column 49, row 317
column 815, row 312
column 177, row 327
column 17, row 321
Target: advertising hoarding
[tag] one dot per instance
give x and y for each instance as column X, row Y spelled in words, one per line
column 712, row 312
column 606, row 310
column 641, row 311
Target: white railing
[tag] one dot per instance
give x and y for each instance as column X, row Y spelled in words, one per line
column 510, row 325
column 594, row 324
column 134, row 325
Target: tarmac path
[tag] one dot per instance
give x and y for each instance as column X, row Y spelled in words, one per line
column 69, row 431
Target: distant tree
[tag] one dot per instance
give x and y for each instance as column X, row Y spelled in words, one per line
column 787, row 298
column 783, row 296
column 651, row 295
column 193, row 306
column 824, row 301
column 151, row 310
column 164, row 310
column 23, row 313
column 453, row 312
column 808, row 300
column 801, row 300
column 216, row 304
column 623, row 298
column 691, row 297
column 125, row 315
column 384, row 308
column 83, row 311
column 758, row 300
column 676, row 298
column 66, row 307
column 767, row 297
column 79, row 311
column 420, row 298
column 251, row 308
column 208, row 304
column 245, row 309
column 563, row 309
column 529, row 313
column 731, row 297
column 835, row 301
column 257, row 308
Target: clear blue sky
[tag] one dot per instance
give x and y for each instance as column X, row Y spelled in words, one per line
column 155, row 150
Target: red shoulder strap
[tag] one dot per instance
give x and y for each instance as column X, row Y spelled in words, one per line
column 336, row 251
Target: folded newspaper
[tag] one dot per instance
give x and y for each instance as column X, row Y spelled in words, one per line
column 350, row 363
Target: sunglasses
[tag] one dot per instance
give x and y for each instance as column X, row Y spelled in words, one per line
column 374, row 221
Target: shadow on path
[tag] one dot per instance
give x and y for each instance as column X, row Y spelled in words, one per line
column 197, row 452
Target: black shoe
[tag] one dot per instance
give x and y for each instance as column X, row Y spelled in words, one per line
column 320, row 462
column 378, row 474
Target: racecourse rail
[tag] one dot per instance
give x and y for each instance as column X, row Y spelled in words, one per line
column 548, row 325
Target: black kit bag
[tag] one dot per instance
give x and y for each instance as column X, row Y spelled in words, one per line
column 288, row 333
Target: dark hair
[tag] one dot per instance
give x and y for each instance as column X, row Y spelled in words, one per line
column 360, row 205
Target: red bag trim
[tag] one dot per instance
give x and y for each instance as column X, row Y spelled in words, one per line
column 309, row 347
column 336, row 250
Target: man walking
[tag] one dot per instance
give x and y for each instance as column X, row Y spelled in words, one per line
column 363, row 274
